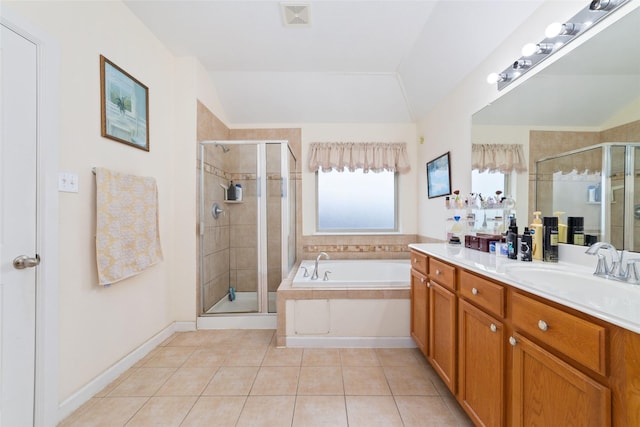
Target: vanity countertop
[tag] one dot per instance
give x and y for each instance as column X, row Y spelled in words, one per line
column 572, row 285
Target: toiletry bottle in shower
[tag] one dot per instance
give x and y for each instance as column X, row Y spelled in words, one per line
column 525, row 245
column 231, row 192
column 550, row 239
column 238, row 192
column 512, row 239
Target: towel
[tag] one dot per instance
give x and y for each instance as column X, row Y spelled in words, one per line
column 127, row 232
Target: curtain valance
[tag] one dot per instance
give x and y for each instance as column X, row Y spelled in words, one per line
column 505, row 158
column 370, row 156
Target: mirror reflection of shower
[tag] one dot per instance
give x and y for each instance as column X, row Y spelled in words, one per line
column 247, row 248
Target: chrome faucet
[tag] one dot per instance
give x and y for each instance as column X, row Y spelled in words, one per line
column 314, row 276
column 614, row 270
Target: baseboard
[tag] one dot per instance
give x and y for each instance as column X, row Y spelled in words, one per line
column 350, row 342
column 77, row 399
column 238, row 321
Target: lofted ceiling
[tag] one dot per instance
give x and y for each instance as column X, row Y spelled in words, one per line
column 357, row 61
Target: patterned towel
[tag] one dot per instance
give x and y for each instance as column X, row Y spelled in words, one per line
column 127, row 232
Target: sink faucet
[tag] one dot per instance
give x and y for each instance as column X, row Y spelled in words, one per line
column 613, row 270
column 314, row 276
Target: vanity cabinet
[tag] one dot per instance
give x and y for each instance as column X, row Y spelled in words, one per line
column 442, row 333
column 419, row 301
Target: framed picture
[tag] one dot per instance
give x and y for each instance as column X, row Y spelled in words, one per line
column 124, row 104
column 439, row 176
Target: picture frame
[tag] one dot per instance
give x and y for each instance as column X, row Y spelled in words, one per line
column 124, row 106
column 439, row 176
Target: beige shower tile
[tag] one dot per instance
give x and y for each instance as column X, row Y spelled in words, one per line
column 370, row 411
column 409, row 381
column 365, row 381
column 311, row 411
column 276, row 381
column 425, row 411
column 283, row 357
column 109, row 411
column 221, row 411
column 170, row 357
column 163, row 411
column 187, row 382
column 321, row 357
column 231, row 381
column 143, row 382
column 359, row 357
column 320, row 380
column 267, row 411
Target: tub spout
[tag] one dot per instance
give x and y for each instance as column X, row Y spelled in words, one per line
column 314, row 276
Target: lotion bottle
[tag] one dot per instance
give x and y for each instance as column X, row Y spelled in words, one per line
column 536, row 236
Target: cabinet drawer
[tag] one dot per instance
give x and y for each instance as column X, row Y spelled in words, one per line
column 486, row 294
column 581, row 340
column 419, row 262
column 442, row 273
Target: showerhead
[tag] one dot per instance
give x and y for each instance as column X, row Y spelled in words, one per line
column 225, row 149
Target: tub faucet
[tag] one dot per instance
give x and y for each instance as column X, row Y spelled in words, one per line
column 314, row 276
column 613, row 270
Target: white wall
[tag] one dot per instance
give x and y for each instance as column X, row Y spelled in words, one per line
column 98, row 325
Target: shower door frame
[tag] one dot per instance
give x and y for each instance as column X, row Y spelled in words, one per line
column 261, row 197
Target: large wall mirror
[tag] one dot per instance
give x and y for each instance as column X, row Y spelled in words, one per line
column 589, row 97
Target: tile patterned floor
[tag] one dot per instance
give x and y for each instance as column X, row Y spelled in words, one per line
column 239, row 378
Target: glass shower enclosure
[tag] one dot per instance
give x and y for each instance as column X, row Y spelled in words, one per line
column 247, row 224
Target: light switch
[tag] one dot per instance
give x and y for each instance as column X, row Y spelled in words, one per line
column 68, row 182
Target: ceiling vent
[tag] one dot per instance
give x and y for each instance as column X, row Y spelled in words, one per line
column 295, row 15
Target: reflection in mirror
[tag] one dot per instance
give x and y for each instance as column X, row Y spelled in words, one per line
column 588, row 97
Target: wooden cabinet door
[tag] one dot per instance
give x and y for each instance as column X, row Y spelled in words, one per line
column 442, row 333
column 549, row 392
column 419, row 307
column 481, row 362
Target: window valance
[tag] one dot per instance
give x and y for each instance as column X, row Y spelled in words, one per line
column 370, row 156
column 505, row 158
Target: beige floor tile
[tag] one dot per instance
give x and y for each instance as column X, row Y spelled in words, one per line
column 425, row 411
column 170, row 357
column 143, row 382
column 365, row 381
column 187, row 382
column 163, row 411
column 359, row 357
column 253, row 338
column 370, row 411
column 276, row 381
column 409, row 381
column 115, row 383
column 147, row 357
column 192, row 339
column 397, row 357
column 320, row 380
column 321, row 357
column 219, row 411
column 69, row 420
column 207, row 357
column 231, row 381
column 282, row 357
column 245, row 356
column 109, row 411
column 267, row 411
column 455, row 408
column 320, row 411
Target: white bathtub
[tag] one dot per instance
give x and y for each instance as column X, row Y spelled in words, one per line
column 362, row 274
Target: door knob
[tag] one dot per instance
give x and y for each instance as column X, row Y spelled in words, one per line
column 24, row 261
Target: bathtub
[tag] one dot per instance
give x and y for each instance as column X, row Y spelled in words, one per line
column 361, row 274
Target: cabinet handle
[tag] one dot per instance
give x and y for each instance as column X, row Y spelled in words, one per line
column 422, row 279
column 493, row 328
column 513, row 341
column 474, row 291
column 542, row 325
column 415, row 260
column 428, row 284
column 438, row 272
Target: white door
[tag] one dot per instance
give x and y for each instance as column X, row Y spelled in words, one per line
column 18, row 178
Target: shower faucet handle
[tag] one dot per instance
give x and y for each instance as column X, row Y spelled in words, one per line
column 326, row 276
column 306, row 272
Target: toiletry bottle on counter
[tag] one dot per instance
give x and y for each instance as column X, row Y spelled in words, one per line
column 536, row 236
column 238, row 192
column 512, row 239
column 575, row 230
column 550, row 239
column 525, row 245
column 562, row 228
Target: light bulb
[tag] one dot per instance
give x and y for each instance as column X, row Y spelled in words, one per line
column 553, row 30
column 529, row 49
column 493, row 78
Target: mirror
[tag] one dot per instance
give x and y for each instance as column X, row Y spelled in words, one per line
column 588, row 97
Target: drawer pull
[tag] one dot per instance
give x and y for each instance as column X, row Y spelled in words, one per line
column 474, row 291
column 422, row 279
column 513, row 341
column 428, row 284
column 438, row 272
column 542, row 325
column 493, row 328
column 415, row 260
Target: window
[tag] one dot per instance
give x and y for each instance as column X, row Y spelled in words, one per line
column 487, row 183
column 356, row 201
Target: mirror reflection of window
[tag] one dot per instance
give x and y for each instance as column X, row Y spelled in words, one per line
column 487, row 183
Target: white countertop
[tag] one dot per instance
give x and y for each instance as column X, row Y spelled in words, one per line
column 615, row 302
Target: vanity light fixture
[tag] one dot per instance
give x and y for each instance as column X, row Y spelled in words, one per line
column 557, row 36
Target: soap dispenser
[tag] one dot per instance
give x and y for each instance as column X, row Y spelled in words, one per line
column 536, row 236
column 562, row 228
